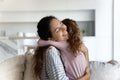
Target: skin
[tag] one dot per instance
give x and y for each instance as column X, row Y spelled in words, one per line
column 59, row 33
column 58, row 30
column 87, row 74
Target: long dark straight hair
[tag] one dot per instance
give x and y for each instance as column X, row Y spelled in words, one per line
column 43, row 30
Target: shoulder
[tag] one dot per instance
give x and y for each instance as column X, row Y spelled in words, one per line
column 53, row 51
column 84, row 49
column 52, row 48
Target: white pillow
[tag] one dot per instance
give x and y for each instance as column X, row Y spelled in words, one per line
column 28, row 75
column 12, row 68
column 104, row 71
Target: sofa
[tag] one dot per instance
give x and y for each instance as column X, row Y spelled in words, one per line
column 20, row 68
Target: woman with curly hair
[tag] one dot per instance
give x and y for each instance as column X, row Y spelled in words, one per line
column 74, row 54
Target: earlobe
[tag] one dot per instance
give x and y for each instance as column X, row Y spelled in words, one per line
column 49, row 38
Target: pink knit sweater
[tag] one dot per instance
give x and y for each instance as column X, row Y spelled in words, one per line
column 74, row 66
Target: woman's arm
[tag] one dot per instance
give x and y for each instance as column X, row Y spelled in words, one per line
column 87, row 73
column 42, row 43
column 54, row 66
column 86, row 76
column 58, row 44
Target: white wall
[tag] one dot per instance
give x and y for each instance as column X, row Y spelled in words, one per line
column 36, row 5
column 117, row 30
column 100, row 46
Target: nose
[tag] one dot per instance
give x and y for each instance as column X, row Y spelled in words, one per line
column 63, row 27
column 65, row 33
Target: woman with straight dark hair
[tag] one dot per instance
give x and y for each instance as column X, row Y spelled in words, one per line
column 73, row 57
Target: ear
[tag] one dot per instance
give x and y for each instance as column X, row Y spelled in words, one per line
column 49, row 38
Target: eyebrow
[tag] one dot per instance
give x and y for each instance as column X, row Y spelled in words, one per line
column 56, row 28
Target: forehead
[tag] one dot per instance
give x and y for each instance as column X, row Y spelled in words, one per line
column 54, row 24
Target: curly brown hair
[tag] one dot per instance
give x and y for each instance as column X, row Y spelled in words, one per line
column 75, row 38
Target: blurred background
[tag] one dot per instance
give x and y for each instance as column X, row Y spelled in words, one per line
column 98, row 21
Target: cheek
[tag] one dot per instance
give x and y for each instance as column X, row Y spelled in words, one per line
column 55, row 36
column 59, row 36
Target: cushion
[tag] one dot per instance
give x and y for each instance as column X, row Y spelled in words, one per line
column 12, row 68
column 8, row 48
column 104, row 71
column 114, row 62
column 28, row 74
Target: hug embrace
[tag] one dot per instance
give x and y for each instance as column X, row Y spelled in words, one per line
column 61, row 53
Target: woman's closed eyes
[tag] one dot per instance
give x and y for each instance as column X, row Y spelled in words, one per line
column 61, row 28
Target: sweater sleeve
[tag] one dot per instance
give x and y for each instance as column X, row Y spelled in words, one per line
column 54, row 65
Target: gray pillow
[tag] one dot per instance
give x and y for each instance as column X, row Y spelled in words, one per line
column 104, row 71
